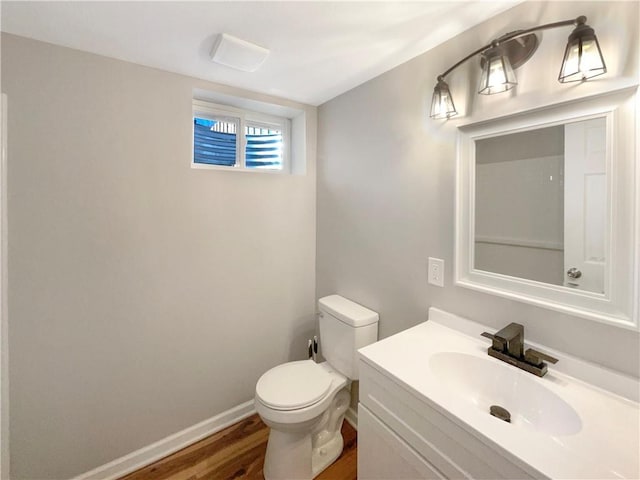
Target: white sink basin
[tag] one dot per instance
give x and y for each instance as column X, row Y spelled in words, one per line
column 484, row 382
column 578, row 421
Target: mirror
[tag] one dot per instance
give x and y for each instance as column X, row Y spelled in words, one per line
column 540, row 204
column 545, row 208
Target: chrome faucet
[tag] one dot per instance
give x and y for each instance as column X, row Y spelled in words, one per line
column 507, row 345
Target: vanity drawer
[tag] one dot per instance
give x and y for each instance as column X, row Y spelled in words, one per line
column 448, row 447
column 383, row 455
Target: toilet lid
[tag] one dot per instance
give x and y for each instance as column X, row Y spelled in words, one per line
column 293, row 385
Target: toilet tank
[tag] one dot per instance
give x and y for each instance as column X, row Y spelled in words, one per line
column 345, row 326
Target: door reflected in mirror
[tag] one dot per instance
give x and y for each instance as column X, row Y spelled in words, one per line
column 541, row 205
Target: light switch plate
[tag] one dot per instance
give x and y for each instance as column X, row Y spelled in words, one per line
column 436, row 271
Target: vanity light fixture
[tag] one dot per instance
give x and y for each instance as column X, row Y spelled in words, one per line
column 582, row 57
column 442, row 104
column 582, row 60
column 497, row 73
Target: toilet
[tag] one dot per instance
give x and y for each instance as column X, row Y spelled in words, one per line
column 304, row 402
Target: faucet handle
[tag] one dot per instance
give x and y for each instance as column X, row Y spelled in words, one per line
column 536, row 358
column 497, row 343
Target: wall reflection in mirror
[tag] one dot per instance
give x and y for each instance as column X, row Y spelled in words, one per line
column 541, row 205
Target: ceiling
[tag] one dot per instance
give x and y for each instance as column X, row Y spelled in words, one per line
column 319, row 49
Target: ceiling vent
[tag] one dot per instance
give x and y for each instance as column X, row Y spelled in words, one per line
column 237, row 53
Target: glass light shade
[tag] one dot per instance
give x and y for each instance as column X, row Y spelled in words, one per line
column 497, row 75
column 582, row 57
column 442, row 103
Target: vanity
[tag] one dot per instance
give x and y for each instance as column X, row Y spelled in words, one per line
column 425, row 400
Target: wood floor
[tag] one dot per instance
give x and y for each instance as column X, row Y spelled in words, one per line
column 238, row 453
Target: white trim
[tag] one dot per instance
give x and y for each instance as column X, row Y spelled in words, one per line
column 171, row 444
column 618, row 305
column 351, row 416
column 4, row 341
column 636, row 216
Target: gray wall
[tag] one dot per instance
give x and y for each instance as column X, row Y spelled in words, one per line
column 144, row 296
column 386, row 177
column 519, row 209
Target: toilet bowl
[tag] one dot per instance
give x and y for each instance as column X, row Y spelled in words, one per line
column 304, row 405
column 304, row 402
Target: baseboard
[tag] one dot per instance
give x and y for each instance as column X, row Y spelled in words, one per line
column 351, row 416
column 160, row 449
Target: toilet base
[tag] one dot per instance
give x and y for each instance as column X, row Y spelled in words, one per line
column 323, row 456
column 295, row 455
column 288, row 456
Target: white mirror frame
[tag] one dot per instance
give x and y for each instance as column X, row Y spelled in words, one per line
column 619, row 304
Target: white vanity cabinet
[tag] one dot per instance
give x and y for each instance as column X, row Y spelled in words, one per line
column 401, row 436
column 387, row 456
column 425, row 401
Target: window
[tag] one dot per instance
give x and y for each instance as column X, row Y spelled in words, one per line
column 226, row 137
column 263, row 146
column 214, row 141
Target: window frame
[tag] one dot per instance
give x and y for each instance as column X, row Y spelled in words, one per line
column 213, row 111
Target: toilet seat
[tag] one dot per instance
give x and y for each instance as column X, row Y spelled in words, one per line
column 316, row 403
column 293, row 385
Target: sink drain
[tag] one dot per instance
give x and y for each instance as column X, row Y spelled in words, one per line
column 501, row 413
